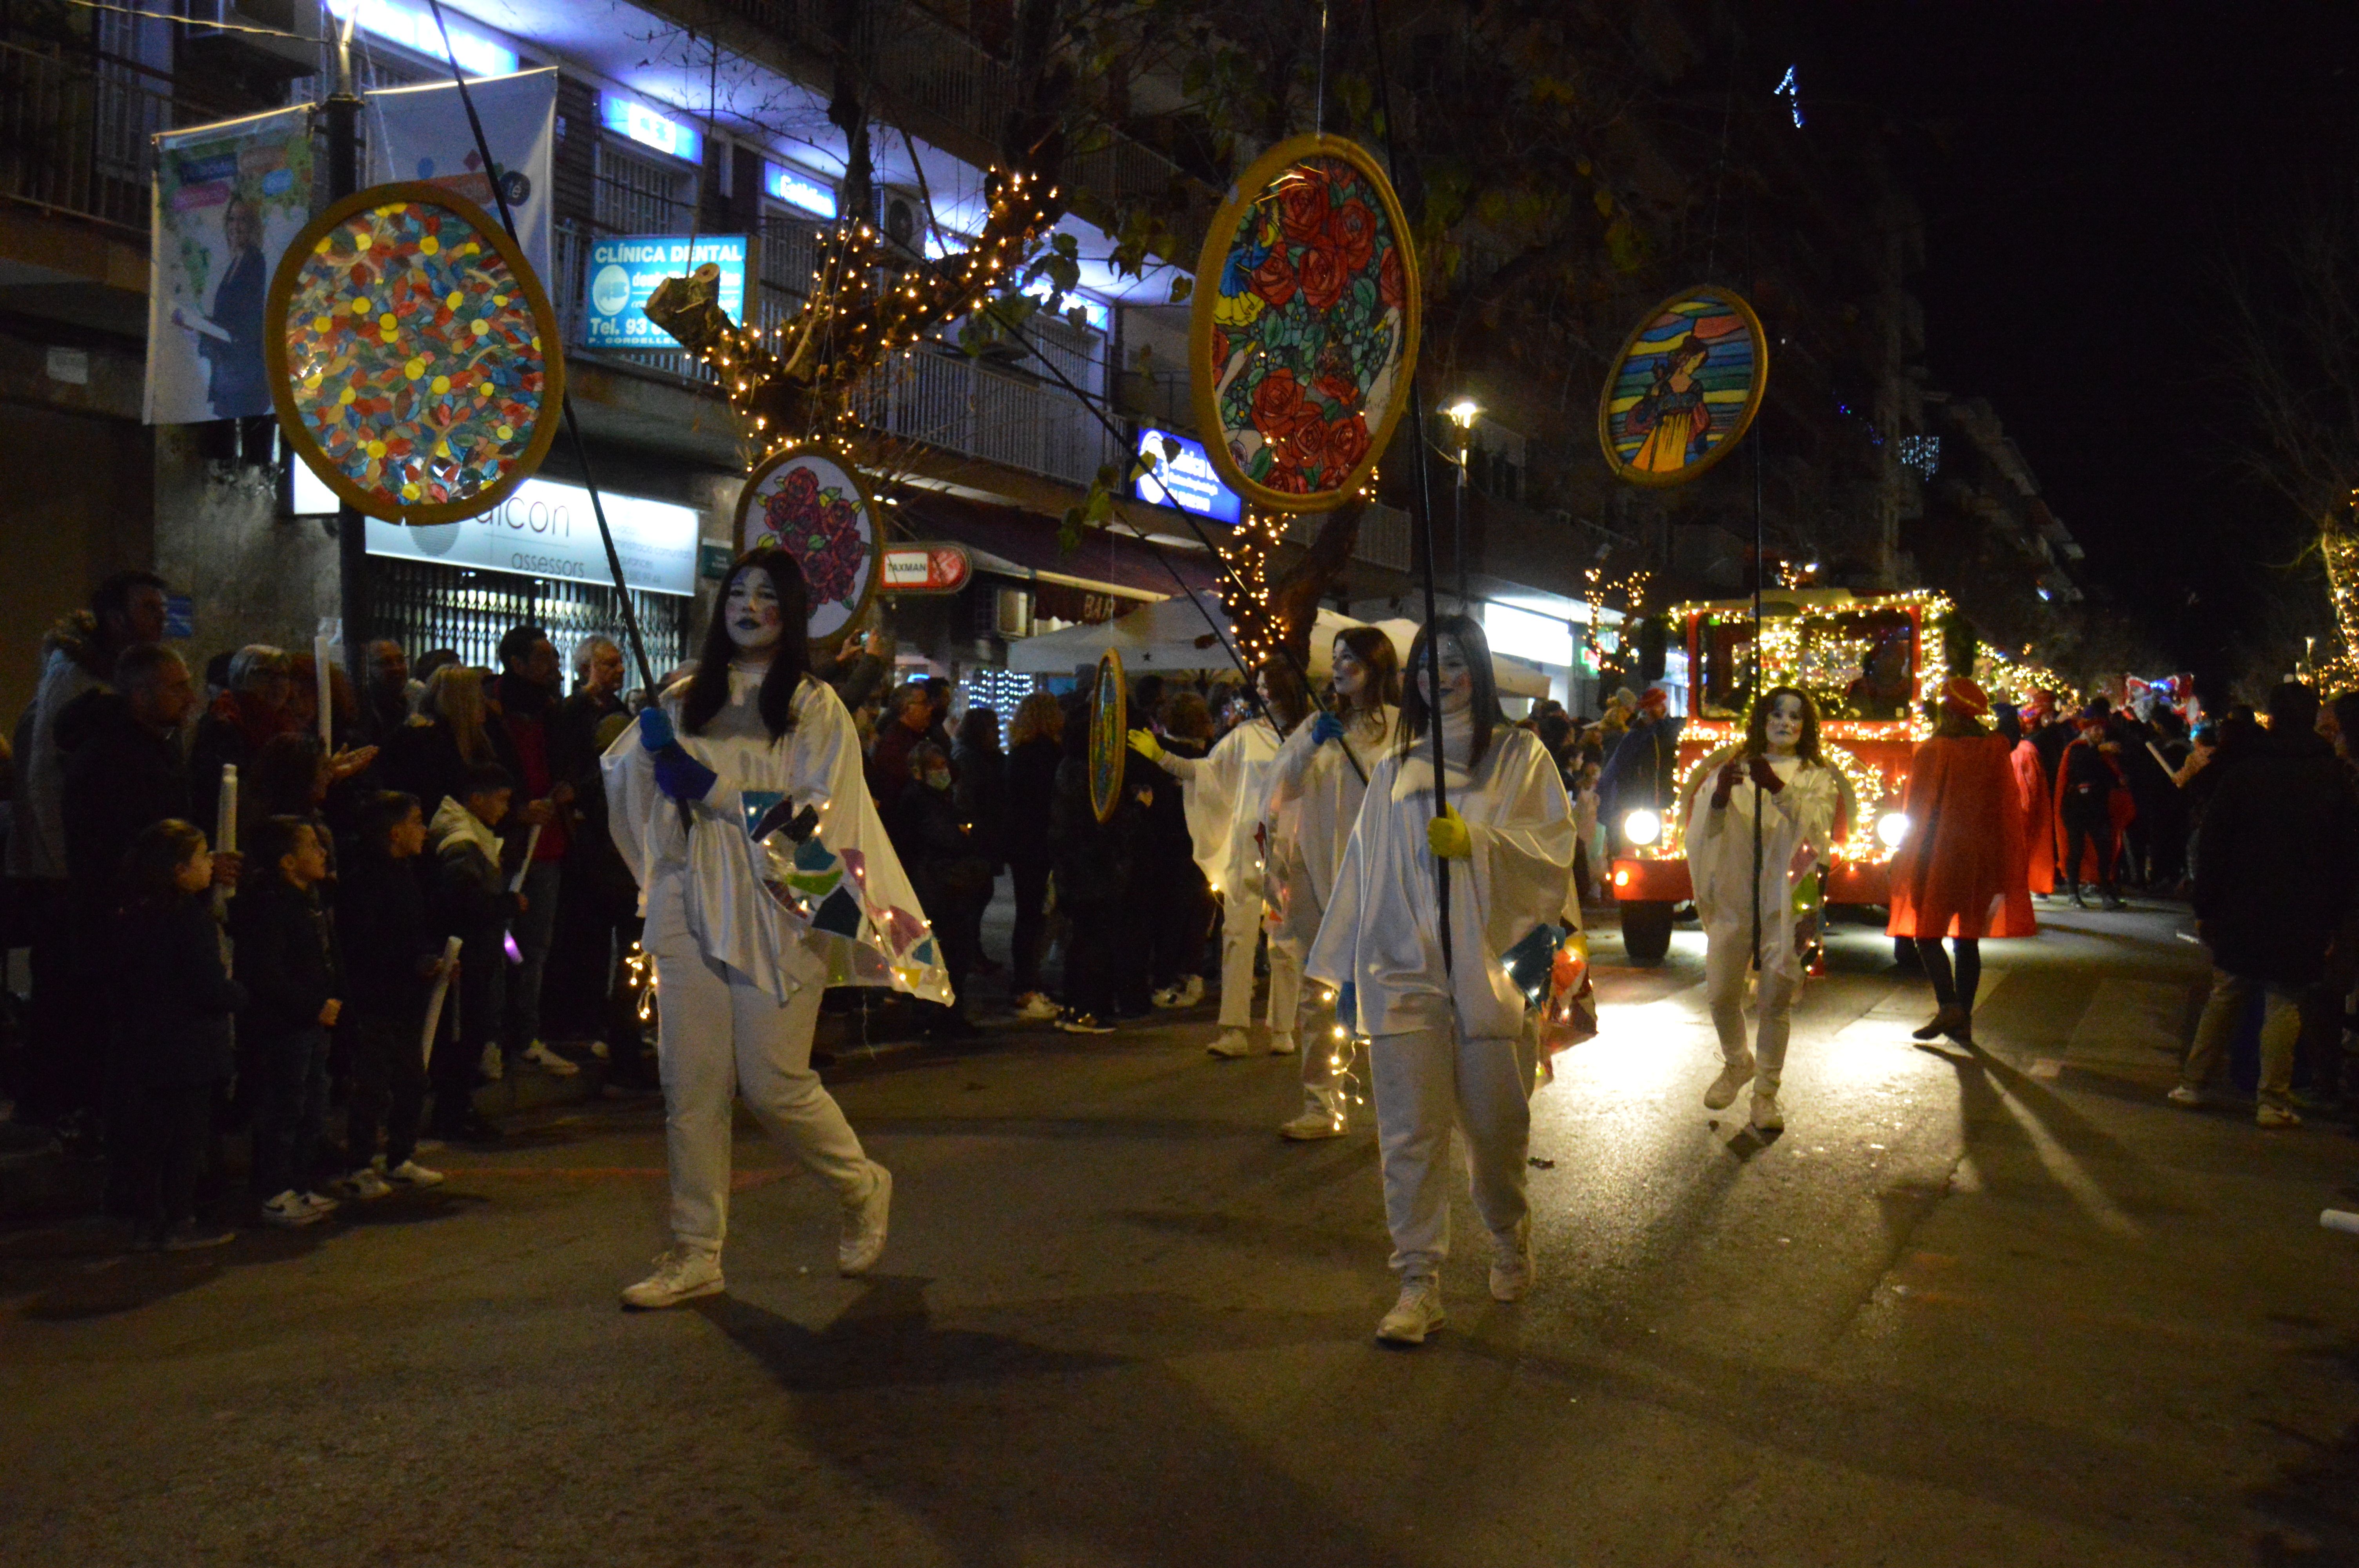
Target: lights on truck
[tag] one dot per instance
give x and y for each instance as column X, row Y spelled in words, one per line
column 1642, row 826
column 1891, row 829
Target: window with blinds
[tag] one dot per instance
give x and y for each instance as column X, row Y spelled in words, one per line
column 638, row 195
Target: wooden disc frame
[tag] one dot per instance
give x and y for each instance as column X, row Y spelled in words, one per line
column 292, row 268
column 1252, row 188
column 1109, row 735
column 1736, row 305
column 745, row 528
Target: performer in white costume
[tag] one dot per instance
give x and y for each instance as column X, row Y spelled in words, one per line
column 1448, row 1042
column 1314, row 800
column 751, row 911
column 1778, row 777
column 1228, row 796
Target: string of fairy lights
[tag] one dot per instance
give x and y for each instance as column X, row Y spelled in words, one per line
column 1245, row 586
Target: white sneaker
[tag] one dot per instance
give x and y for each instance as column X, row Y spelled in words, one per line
column 2181, row 1094
column 322, row 1204
column 548, row 1061
column 1767, row 1116
column 598, row 1049
column 364, row 1183
column 1416, row 1315
column 289, row 1209
column 1511, row 1265
column 682, row 1275
column 1282, row 1044
column 494, row 1065
column 2276, row 1116
column 864, row 1225
column 1168, row 997
column 1733, row 1076
column 1232, row 1044
column 1322, row 1117
column 1191, row 991
column 1036, row 1009
column 410, row 1174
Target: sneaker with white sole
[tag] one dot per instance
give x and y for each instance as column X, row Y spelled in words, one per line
column 681, row 1274
column 410, row 1174
column 364, row 1183
column 598, row 1049
column 1511, row 1263
column 2181, row 1094
column 1232, row 1044
column 322, row 1204
column 1083, row 1023
column 1417, row 1313
column 2276, row 1116
column 1766, row 1115
column 1168, row 997
column 1034, row 1008
column 1282, row 1044
column 548, row 1061
column 864, row 1225
column 1191, row 991
column 1734, row 1075
column 494, row 1065
column 290, row 1208
column 1322, row 1117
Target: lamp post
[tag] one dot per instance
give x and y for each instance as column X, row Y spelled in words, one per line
column 1462, row 413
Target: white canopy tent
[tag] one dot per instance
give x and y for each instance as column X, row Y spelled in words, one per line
column 1515, row 677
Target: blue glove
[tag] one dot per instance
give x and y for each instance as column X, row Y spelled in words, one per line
column 654, row 729
column 681, row 777
column 1326, row 728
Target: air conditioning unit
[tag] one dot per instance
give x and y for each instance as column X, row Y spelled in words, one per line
column 286, row 46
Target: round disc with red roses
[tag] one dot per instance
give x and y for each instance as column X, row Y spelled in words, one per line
column 1305, row 325
column 811, row 507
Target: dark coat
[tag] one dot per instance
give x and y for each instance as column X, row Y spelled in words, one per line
column 980, row 794
column 176, row 1001
column 1091, row 859
column 286, row 958
column 121, row 778
column 941, row 858
column 472, row 901
column 1031, row 786
column 1166, row 843
column 2277, row 862
column 384, row 930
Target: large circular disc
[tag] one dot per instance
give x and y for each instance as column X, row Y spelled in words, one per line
column 815, row 508
column 413, row 356
column 1304, row 332
column 1109, row 735
column 1684, row 389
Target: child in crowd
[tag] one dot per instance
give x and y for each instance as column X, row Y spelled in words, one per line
column 286, row 962
column 176, row 1001
column 393, row 955
column 473, row 905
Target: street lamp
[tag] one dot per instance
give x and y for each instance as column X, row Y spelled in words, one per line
column 1462, row 413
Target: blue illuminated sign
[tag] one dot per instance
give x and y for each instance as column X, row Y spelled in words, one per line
column 642, row 125
column 797, row 189
column 624, row 269
column 412, row 27
column 1186, row 481
column 1095, row 313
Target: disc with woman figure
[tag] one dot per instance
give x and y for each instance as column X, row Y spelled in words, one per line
column 1109, row 735
column 1684, row 388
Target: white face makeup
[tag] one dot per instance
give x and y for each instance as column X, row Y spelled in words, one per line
column 1457, row 678
column 1783, row 726
column 751, row 613
column 1350, row 675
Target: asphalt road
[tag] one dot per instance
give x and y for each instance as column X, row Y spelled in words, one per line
column 2003, row 1308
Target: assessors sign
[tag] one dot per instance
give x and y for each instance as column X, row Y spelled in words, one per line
column 546, row 529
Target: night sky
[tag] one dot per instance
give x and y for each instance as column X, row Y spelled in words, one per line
column 2088, row 170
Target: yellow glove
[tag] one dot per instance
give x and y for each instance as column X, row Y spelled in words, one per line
column 1447, row 835
column 1143, row 742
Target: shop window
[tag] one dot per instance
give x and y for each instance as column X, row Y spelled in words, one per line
column 642, row 195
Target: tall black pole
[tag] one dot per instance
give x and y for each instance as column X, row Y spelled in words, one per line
column 1458, row 526
column 344, row 111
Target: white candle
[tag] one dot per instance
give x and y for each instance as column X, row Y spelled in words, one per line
column 434, row 1001
column 531, row 842
column 321, row 652
column 226, row 827
column 2339, row 1219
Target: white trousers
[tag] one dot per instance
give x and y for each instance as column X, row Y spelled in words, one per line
column 1240, row 934
column 719, row 1034
column 1725, row 964
column 1426, row 1084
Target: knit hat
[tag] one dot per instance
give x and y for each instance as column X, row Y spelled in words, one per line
column 1657, row 700
column 1964, row 697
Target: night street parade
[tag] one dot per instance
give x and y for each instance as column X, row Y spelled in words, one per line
column 992, row 783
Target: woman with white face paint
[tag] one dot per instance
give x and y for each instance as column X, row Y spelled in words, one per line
column 749, row 740
column 1448, row 1042
column 1777, row 779
column 1314, row 800
column 1227, row 804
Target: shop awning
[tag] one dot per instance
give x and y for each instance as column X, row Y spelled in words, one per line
column 1119, row 565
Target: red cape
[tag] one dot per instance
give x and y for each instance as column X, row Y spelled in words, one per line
column 2039, row 843
column 1963, row 870
column 2121, row 810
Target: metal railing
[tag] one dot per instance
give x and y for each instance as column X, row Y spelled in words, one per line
column 76, row 135
column 964, row 405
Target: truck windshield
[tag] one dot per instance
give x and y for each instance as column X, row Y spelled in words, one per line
column 1859, row 664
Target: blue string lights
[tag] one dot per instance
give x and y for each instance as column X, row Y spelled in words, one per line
column 1791, row 89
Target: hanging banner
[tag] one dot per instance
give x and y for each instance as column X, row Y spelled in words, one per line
column 1684, row 389
column 420, row 133
column 228, row 199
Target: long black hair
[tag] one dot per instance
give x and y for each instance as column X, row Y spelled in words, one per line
column 707, row 688
column 1484, row 710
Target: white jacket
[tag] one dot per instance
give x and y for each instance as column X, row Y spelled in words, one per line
column 837, row 911
column 1314, row 802
column 1225, row 794
column 1796, row 825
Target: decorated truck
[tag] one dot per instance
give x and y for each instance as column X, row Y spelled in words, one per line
column 1873, row 665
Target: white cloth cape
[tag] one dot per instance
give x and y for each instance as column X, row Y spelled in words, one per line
column 1314, row 801
column 1797, row 823
column 1381, row 934
column 1224, row 794
column 750, row 905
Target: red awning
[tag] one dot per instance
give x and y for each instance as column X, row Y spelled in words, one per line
column 1121, row 563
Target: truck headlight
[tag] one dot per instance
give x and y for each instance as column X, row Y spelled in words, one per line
column 1891, row 829
column 1642, row 826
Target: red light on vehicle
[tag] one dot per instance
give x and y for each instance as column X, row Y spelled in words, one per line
column 1622, row 877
